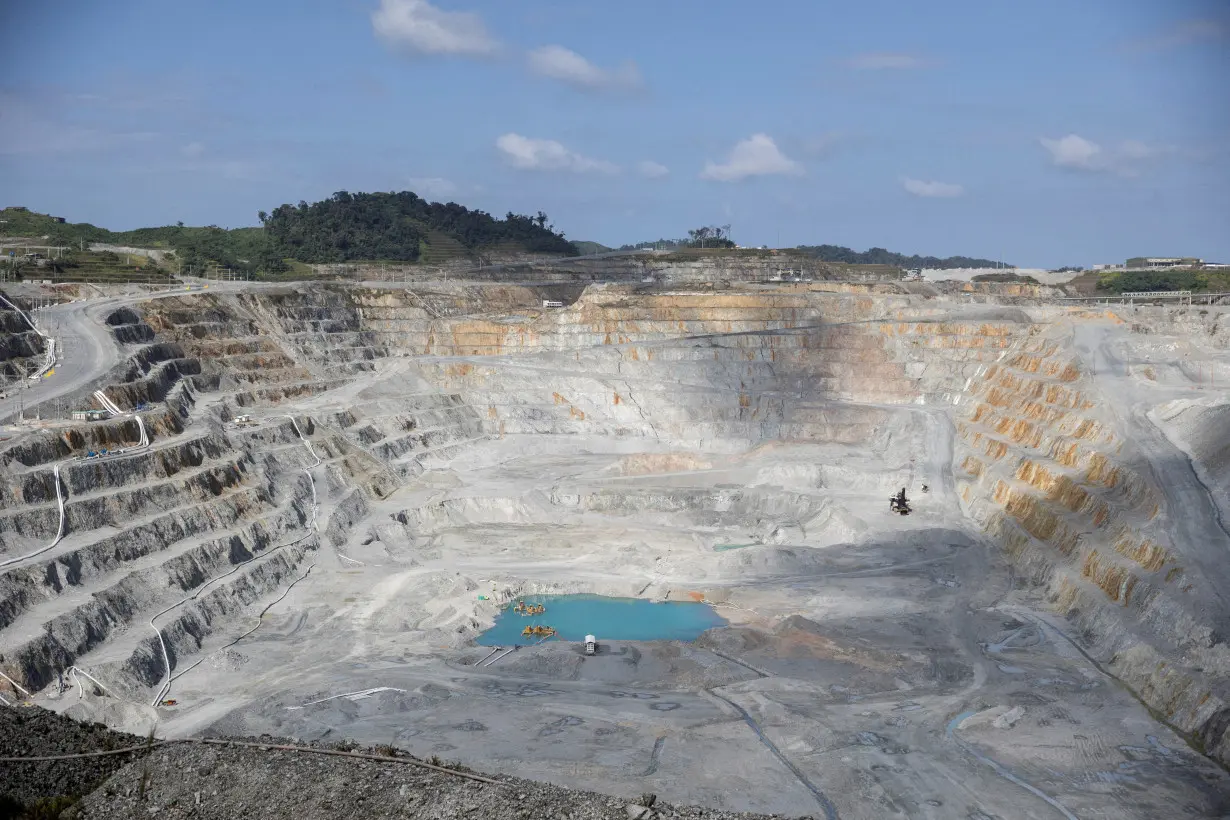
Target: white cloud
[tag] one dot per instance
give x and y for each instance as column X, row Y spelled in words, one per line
column 570, row 68
column 529, row 154
column 758, row 155
column 193, row 150
column 432, row 186
column 652, row 170
column 1074, row 152
column 882, row 60
column 919, row 187
column 418, row 27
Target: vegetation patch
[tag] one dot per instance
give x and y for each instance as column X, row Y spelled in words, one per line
column 880, row 256
column 1006, row 277
column 393, row 227
column 1165, row 280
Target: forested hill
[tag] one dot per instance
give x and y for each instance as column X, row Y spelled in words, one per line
column 396, row 226
column 345, row 227
column 879, row 256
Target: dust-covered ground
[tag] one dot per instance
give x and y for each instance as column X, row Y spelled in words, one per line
column 1040, row 637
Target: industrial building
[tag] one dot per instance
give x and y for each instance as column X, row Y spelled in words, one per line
column 1149, row 262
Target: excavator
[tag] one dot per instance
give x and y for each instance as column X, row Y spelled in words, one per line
column 538, row 631
column 899, row 503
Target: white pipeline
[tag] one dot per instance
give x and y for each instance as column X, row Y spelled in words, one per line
column 16, row 685
column 259, row 619
column 498, row 658
column 49, row 354
column 74, row 674
column 359, row 695
column 144, row 442
column 312, row 532
column 107, row 404
column 59, row 531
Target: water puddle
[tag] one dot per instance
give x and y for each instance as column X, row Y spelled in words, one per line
column 609, row 619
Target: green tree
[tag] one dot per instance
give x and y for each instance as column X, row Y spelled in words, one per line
column 394, row 226
column 710, row 236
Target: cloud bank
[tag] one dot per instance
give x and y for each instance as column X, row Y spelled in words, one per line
column 418, row 27
column 570, row 68
column 758, row 155
column 652, row 170
column 528, row 154
column 1075, row 153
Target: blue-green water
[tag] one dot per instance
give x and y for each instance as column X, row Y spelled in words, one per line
column 608, row 619
column 725, row 547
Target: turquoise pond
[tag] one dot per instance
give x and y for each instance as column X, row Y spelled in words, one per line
column 608, row 619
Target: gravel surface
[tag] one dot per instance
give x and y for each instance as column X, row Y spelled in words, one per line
column 34, row 732
column 194, row 780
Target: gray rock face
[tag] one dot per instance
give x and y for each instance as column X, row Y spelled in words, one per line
column 429, row 454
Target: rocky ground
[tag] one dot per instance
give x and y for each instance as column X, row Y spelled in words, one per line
column 342, row 487
column 34, row 732
column 217, row 781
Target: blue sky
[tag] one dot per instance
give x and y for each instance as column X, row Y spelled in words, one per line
column 1044, row 133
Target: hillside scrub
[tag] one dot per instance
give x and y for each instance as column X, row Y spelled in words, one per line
column 880, row 256
column 344, row 228
column 1168, row 280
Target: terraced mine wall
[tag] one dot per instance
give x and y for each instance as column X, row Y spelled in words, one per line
column 21, row 349
column 686, row 268
column 1047, row 469
column 1042, row 463
column 690, row 268
column 197, row 526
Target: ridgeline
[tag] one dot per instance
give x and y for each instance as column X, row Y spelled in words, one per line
column 395, row 227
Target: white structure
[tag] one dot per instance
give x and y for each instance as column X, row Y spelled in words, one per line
column 591, row 644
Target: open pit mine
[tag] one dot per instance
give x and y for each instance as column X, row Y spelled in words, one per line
column 297, row 509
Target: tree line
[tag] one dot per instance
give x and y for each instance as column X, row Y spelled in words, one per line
column 707, row 236
column 394, row 226
column 343, row 228
column 713, row 236
column 880, row 256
